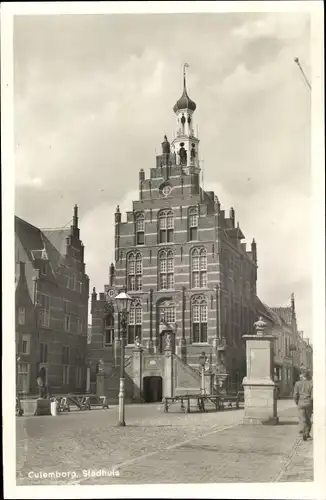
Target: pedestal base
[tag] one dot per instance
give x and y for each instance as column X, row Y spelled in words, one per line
column 260, row 402
column 259, row 421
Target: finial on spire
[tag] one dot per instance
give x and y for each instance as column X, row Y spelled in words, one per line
column 186, row 65
column 75, row 219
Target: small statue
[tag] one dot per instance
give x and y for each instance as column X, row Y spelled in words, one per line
column 207, row 365
column 137, row 342
column 183, row 154
column 168, row 341
column 193, row 152
column 100, row 366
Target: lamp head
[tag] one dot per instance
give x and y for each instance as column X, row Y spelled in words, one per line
column 123, row 301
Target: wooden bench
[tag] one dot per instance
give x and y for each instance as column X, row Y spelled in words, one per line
column 81, row 401
column 185, row 399
column 230, row 399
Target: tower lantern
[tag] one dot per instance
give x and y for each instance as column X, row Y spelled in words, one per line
column 185, row 144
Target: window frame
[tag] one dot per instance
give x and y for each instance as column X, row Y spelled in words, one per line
column 134, row 273
column 108, row 329
column 165, row 226
column 198, row 277
column 199, row 305
column 140, row 233
column 134, row 327
column 166, row 257
column 43, row 352
column 26, row 338
column 193, row 227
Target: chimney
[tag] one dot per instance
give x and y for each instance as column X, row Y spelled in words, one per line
column 93, row 300
column 111, row 277
column 74, row 228
column 232, row 216
column 117, row 215
column 254, row 250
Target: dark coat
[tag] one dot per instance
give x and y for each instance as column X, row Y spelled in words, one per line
column 303, row 393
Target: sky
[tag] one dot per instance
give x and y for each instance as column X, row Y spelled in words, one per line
column 93, row 98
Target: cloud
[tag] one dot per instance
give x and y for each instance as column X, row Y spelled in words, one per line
column 94, row 97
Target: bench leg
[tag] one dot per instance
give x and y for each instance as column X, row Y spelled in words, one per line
column 188, row 406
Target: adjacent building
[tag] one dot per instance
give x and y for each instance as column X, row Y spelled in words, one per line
column 184, row 261
column 51, row 299
column 291, row 351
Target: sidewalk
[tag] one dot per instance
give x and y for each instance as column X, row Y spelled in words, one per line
column 242, row 453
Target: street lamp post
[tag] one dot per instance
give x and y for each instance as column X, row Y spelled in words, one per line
column 202, row 362
column 123, row 301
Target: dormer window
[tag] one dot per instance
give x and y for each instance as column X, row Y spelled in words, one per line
column 21, row 316
column 140, row 229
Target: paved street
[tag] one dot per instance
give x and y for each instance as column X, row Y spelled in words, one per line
column 156, row 447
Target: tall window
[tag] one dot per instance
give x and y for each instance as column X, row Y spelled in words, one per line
column 25, row 344
column 135, row 321
column 65, row 361
column 79, row 379
column 21, row 316
column 43, row 353
column 109, row 330
column 135, row 272
column 166, row 226
column 193, row 224
column 44, row 310
column 140, row 229
column 167, row 311
column 23, row 377
column 199, row 319
column 199, row 268
column 166, row 270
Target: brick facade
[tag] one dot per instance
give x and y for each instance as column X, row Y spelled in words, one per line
column 181, row 257
column 52, row 291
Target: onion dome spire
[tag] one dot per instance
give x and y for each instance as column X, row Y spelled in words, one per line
column 184, row 102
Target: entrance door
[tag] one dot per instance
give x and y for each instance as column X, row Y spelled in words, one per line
column 153, row 389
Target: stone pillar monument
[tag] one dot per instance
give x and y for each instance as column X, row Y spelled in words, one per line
column 221, row 374
column 168, row 366
column 137, row 375
column 100, row 379
column 259, row 386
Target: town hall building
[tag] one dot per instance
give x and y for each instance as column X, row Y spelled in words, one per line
column 184, row 262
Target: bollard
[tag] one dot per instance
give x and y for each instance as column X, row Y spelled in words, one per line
column 54, row 408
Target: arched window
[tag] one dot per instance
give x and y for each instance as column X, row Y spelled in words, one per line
column 167, row 311
column 108, row 330
column 166, row 270
column 140, row 229
column 135, row 272
column 193, row 224
column 166, row 226
column 199, row 268
column 135, row 321
column 199, row 319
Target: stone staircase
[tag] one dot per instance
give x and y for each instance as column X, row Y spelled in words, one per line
column 112, row 382
column 187, row 379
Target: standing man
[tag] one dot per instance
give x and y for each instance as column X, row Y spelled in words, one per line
column 303, row 397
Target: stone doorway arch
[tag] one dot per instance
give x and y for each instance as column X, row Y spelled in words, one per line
column 153, row 389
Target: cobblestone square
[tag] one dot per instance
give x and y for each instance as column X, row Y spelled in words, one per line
column 158, row 447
